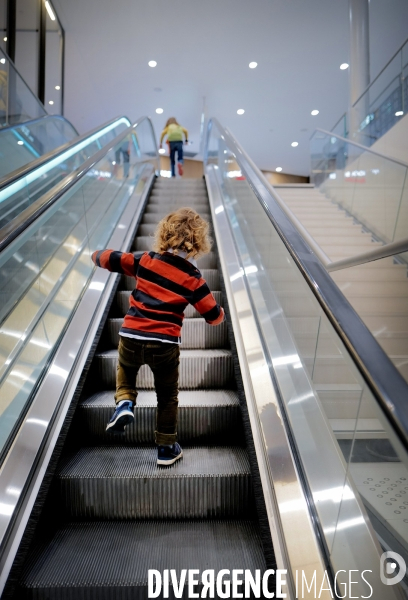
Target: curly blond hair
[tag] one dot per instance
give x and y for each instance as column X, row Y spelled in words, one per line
column 183, row 230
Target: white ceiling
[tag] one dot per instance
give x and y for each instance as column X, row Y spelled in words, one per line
column 203, row 48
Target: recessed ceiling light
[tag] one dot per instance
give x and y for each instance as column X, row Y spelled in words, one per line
column 314, row 112
column 294, row 144
column 5, row 39
column 399, row 113
column 344, row 66
column 3, row 61
column 51, row 102
column 253, row 65
column 279, row 169
column 152, row 63
column 20, row 142
column 159, row 111
column 240, row 111
column 57, row 87
column 162, row 150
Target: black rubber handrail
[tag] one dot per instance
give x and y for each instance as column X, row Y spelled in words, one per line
column 15, row 227
column 383, row 379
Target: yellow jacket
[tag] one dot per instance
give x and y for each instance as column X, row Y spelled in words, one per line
column 174, row 133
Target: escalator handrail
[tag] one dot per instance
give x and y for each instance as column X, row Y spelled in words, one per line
column 383, row 379
column 36, row 120
column 361, row 146
column 35, row 164
column 15, row 227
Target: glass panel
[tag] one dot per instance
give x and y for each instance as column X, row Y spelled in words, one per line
column 53, row 63
column 28, row 41
column 383, row 104
column 373, row 189
column 378, row 291
column 17, row 101
column 43, row 272
column 22, row 193
column 330, row 410
column 3, row 27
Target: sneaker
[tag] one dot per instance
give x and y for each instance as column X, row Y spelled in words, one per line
column 122, row 416
column 180, row 169
column 167, row 455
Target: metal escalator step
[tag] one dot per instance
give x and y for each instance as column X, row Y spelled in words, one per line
column 195, row 334
column 204, row 417
column 126, row 483
column 110, row 560
column 199, row 369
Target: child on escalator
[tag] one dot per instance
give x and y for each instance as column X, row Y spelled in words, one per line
column 167, row 280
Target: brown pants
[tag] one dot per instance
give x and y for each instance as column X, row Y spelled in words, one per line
column 164, row 360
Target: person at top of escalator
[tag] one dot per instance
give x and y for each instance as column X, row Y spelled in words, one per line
column 174, row 133
column 167, row 280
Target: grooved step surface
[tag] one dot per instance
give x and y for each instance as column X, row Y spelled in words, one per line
column 195, row 333
column 204, row 417
column 123, row 482
column 110, row 560
column 198, row 369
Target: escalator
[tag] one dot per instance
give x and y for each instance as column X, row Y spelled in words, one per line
column 270, row 483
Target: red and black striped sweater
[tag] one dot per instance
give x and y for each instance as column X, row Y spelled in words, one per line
column 165, row 285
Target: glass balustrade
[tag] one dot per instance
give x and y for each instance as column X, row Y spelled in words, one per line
column 17, row 196
column 353, row 461
column 45, row 269
column 371, row 188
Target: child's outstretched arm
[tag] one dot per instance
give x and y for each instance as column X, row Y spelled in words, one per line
column 207, row 306
column 117, row 262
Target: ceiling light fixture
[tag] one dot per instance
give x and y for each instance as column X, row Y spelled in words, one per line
column 253, row 65
column 294, row 144
column 159, row 111
column 399, row 113
column 49, row 10
column 344, row 66
column 20, row 142
column 5, row 39
column 57, row 87
column 314, row 112
column 51, row 102
column 240, row 111
column 279, row 169
column 152, row 63
column 3, row 61
column 162, row 150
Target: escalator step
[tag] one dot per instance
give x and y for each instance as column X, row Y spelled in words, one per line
column 126, row 483
column 101, row 560
column 204, row 417
column 199, row 369
column 196, row 333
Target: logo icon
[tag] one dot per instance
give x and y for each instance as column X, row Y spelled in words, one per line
column 392, row 568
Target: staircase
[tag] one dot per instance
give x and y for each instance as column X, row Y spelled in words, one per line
column 378, row 291
column 120, row 514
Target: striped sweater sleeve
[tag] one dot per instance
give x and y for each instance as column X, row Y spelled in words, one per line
column 117, row 262
column 207, row 306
